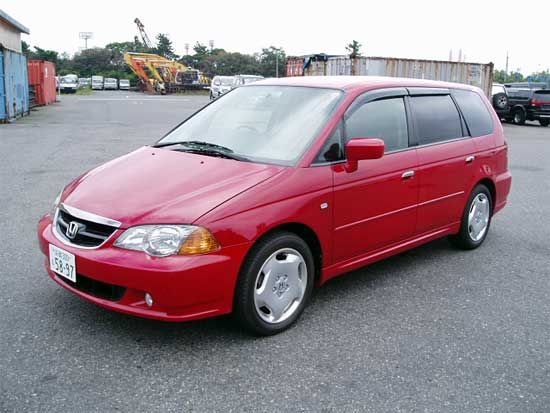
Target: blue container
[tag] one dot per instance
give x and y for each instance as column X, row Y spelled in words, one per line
column 14, row 85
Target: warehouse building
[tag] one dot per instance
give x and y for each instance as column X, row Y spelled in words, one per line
column 10, row 32
column 14, row 79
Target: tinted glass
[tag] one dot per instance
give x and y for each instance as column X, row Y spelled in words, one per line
column 475, row 112
column 542, row 95
column 437, row 118
column 385, row 119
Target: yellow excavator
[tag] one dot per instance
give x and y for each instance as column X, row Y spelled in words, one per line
column 160, row 75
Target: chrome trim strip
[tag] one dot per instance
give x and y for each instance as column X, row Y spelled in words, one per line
column 81, row 215
column 88, row 216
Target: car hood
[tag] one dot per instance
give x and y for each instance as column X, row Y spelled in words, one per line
column 159, row 185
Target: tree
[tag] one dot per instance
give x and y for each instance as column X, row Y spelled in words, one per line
column 272, row 62
column 353, row 49
column 201, row 50
column 164, row 47
column 92, row 62
column 25, row 47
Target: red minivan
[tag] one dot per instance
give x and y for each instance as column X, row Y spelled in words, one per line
column 274, row 188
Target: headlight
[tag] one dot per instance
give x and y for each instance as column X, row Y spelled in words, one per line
column 164, row 240
column 56, row 203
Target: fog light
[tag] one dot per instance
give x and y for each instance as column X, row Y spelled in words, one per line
column 148, row 299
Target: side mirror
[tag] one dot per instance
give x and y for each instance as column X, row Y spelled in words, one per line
column 358, row 149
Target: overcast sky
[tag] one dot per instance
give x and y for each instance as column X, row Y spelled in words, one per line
column 484, row 30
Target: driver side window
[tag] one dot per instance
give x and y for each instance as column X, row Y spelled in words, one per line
column 385, row 119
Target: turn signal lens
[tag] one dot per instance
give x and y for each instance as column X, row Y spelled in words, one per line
column 199, row 241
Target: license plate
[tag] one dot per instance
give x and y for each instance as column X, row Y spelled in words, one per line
column 63, row 263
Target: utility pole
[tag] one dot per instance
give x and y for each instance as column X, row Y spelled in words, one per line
column 85, row 36
column 507, row 62
column 211, row 44
column 277, row 64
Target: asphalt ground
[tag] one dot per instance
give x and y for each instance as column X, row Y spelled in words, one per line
column 433, row 329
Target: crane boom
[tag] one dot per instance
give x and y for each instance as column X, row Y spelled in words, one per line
column 143, row 33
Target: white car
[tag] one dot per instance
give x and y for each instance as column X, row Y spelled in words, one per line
column 68, row 83
column 97, row 82
column 124, row 84
column 240, row 80
column 110, row 83
column 220, row 85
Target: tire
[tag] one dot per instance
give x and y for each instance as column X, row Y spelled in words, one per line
column 519, row 117
column 500, row 101
column 544, row 122
column 473, row 231
column 278, row 268
column 211, row 96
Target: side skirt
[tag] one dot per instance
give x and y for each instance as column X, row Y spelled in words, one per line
column 378, row 255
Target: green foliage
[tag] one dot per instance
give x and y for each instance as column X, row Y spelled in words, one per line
column 164, row 47
column 354, row 49
column 500, row 76
column 40, row 54
column 272, row 62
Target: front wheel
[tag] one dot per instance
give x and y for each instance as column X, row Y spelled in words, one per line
column 544, row 122
column 476, row 219
column 275, row 284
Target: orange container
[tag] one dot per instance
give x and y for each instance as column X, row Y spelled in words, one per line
column 42, row 78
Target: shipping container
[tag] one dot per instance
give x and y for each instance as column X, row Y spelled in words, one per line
column 14, row 93
column 42, row 82
column 476, row 74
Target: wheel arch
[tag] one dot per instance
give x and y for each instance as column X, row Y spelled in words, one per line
column 303, row 231
column 488, row 182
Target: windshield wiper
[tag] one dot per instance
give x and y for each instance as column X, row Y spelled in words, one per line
column 205, row 148
column 195, row 144
column 215, row 152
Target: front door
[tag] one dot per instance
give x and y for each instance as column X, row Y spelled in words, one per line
column 375, row 206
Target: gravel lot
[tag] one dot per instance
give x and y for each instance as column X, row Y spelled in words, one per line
column 434, row 329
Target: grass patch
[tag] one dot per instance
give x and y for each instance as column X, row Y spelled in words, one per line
column 198, row 92
column 85, row 91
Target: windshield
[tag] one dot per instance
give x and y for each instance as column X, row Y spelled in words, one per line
column 226, row 81
column 272, row 124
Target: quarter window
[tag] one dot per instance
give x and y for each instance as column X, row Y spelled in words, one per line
column 437, row 118
column 385, row 119
column 475, row 112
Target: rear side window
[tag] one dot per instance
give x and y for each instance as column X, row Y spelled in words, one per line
column 437, row 118
column 385, row 119
column 475, row 112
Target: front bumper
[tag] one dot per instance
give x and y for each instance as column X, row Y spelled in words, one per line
column 183, row 287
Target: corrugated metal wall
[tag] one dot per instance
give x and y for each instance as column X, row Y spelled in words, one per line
column 476, row 74
column 15, row 101
column 2, row 90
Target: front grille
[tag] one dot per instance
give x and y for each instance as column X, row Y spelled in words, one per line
column 545, row 107
column 90, row 234
column 96, row 288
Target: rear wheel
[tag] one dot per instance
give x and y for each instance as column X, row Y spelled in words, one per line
column 544, row 122
column 519, row 116
column 476, row 219
column 275, row 284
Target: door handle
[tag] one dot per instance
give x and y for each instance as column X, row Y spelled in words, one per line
column 470, row 159
column 407, row 175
